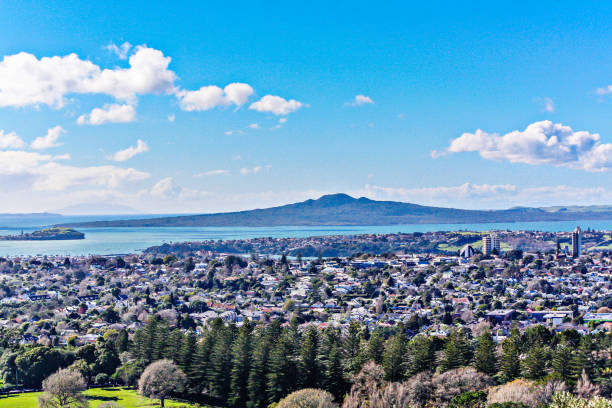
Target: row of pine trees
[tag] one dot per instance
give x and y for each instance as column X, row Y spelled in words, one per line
column 253, row 366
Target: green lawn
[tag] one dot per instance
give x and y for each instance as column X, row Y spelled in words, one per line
column 127, row 398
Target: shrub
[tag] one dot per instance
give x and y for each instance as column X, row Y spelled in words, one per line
column 307, row 398
column 451, row 383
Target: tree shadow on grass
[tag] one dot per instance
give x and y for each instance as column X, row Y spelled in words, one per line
column 101, row 398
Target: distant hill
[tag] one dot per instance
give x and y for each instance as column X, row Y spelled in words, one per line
column 342, row 209
column 98, row 208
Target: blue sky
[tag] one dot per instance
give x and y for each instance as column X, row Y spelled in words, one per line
column 373, row 99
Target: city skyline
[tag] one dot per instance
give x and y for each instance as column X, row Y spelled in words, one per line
column 207, row 108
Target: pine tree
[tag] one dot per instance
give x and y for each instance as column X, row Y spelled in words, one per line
column 257, row 385
column 310, row 370
column 335, row 382
column 376, row 347
column 534, row 364
column 221, row 364
column 457, row 352
column 420, row 355
column 241, row 365
column 173, row 345
column 561, row 361
column 282, row 367
column 352, row 348
column 485, row 359
column 510, row 367
column 187, row 351
column 198, row 375
column 581, row 360
column 394, row 363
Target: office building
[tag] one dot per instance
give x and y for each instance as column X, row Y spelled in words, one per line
column 576, row 242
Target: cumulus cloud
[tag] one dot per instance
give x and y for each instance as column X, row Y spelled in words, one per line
column 121, row 51
column 254, row 170
column 34, row 171
column 209, row 97
column 109, row 114
column 48, row 141
column 276, row 105
column 10, row 141
column 254, row 126
column 126, row 154
column 209, row 173
column 540, row 143
column 360, row 100
column 26, row 80
column 166, row 189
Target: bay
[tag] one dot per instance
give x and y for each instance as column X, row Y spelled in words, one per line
column 108, row 241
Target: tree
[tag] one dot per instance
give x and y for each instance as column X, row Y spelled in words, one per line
column 64, row 389
column 282, row 366
column 421, row 355
column 310, row 369
column 376, row 347
column 485, row 360
column 561, row 359
column 160, row 379
column 534, row 364
column 307, row 398
column 393, row 358
column 456, row 351
column 242, row 350
column 510, row 367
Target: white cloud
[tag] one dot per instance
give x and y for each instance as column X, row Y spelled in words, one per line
column 26, row 80
column 171, row 118
column 276, row 105
column 209, row 97
column 10, row 141
column 109, row 114
column 48, row 141
column 32, row 171
column 254, row 126
column 282, row 120
column 212, row 173
column 166, row 189
column 121, row 51
column 126, row 154
column 360, row 100
column 254, row 170
column 540, row 143
column 549, row 105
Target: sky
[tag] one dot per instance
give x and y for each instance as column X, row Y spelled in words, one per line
column 222, row 106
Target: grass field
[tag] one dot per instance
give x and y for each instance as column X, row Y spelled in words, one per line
column 126, row 398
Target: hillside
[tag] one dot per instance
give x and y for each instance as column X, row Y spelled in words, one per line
column 341, row 209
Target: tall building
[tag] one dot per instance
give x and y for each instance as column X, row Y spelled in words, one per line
column 576, row 242
column 491, row 243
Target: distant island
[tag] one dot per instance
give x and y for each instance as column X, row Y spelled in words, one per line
column 342, row 209
column 48, row 234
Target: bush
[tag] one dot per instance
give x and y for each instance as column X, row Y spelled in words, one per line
column 307, row 398
column 454, row 382
column 567, row 400
column 470, row 399
column 101, row 379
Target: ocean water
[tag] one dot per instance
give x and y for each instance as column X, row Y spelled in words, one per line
column 107, row 241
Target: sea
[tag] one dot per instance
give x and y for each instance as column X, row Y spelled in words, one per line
column 117, row 241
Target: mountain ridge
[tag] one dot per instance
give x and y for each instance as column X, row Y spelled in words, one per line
column 342, row 209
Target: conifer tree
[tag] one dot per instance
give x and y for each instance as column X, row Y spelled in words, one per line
column 310, row 370
column 257, row 385
column 394, row 363
column 561, row 361
column 457, row 352
column 510, row 364
column 241, row 365
column 420, row 355
column 581, row 360
column 352, row 348
column 221, row 364
column 485, row 359
column 282, row 367
column 376, row 347
column 534, row 364
column 187, row 351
